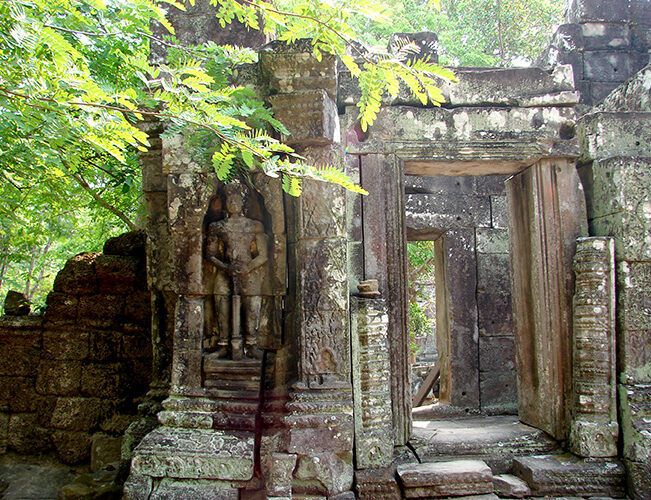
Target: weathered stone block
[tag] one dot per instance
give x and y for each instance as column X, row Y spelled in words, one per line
column 600, row 90
column 442, row 184
column 195, row 454
column 424, row 211
column 188, row 262
column 509, row 486
column 617, row 185
column 25, row 436
column 548, row 475
column 496, row 353
column 61, row 378
column 322, row 212
column 499, row 392
column 324, row 474
column 499, row 212
column 17, row 394
column 78, row 275
column 79, row 414
column 632, row 237
column 377, row 484
column 636, row 421
column 16, row 304
column 188, row 197
column 323, row 280
column 136, row 346
column 594, row 439
column 72, row 447
column 170, row 489
column 632, row 95
column 118, row 274
column 444, row 479
column 101, row 380
column 4, row 429
column 281, row 468
column 19, row 352
column 103, row 346
column 638, row 475
column 581, row 11
column 61, row 308
column 137, row 308
column 319, row 120
column 490, row 185
column 138, row 487
column 495, row 313
column 104, row 450
column 293, row 67
column 100, row 310
column 606, row 36
column 493, row 273
column 63, row 345
column 609, row 135
column 492, row 240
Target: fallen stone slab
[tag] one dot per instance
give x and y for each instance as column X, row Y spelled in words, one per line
column 445, row 479
column 568, row 475
column 510, row 486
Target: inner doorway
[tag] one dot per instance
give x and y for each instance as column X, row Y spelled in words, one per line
column 461, row 221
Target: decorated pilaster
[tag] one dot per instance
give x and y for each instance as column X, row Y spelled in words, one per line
column 594, row 427
column 319, row 420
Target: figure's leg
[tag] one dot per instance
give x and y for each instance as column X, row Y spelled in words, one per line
column 252, row 306
column 223, row 323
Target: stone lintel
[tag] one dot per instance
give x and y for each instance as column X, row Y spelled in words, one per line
column 465, row 134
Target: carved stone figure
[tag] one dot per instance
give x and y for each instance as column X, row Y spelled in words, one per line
column 237, row 247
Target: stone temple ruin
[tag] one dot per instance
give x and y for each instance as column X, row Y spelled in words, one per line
column 271, row 376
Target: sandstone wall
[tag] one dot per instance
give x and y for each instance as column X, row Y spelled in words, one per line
column 616, row 166
column 70, row 379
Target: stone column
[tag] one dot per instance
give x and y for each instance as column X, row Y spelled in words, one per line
column 371, row 381
column 594, row 427
column 320, row 422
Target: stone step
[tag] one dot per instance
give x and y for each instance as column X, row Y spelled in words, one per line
column 568, row 475
column 496, row 440
column 444, row 479
column 232, row 375
column 510, row 486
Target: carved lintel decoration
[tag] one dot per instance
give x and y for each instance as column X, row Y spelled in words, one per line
column 594, row 424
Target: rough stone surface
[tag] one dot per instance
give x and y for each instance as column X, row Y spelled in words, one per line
column 495, row 440
column 104, row 450
column 377, row 484
column 16, row 304
column 194, row 454
column 594, row 427
column 567, row 476
column 372, row 389
column 509, row 486
column 443, row 479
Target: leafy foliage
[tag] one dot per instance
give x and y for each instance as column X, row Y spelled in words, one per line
column 420, row 257
column 76, row 79
column 473, row 32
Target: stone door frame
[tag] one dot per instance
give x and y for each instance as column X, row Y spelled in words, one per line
column 554, row 193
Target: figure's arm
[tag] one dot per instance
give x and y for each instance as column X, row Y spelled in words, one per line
column 262, row 257
column 211, row 250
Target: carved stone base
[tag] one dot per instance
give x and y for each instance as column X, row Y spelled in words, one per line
column 593, row 439
column 195, row 454
column 549, row 475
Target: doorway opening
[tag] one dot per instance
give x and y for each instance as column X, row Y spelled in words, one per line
column 460, row 318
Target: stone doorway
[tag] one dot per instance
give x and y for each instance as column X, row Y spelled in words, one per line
column 463, row 220
column 477, row 340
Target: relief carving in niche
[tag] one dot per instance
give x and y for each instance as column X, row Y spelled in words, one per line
column 241, row 252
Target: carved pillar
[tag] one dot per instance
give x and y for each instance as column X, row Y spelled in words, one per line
column 594, row 424
column 372, row 383
column 320, row 423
